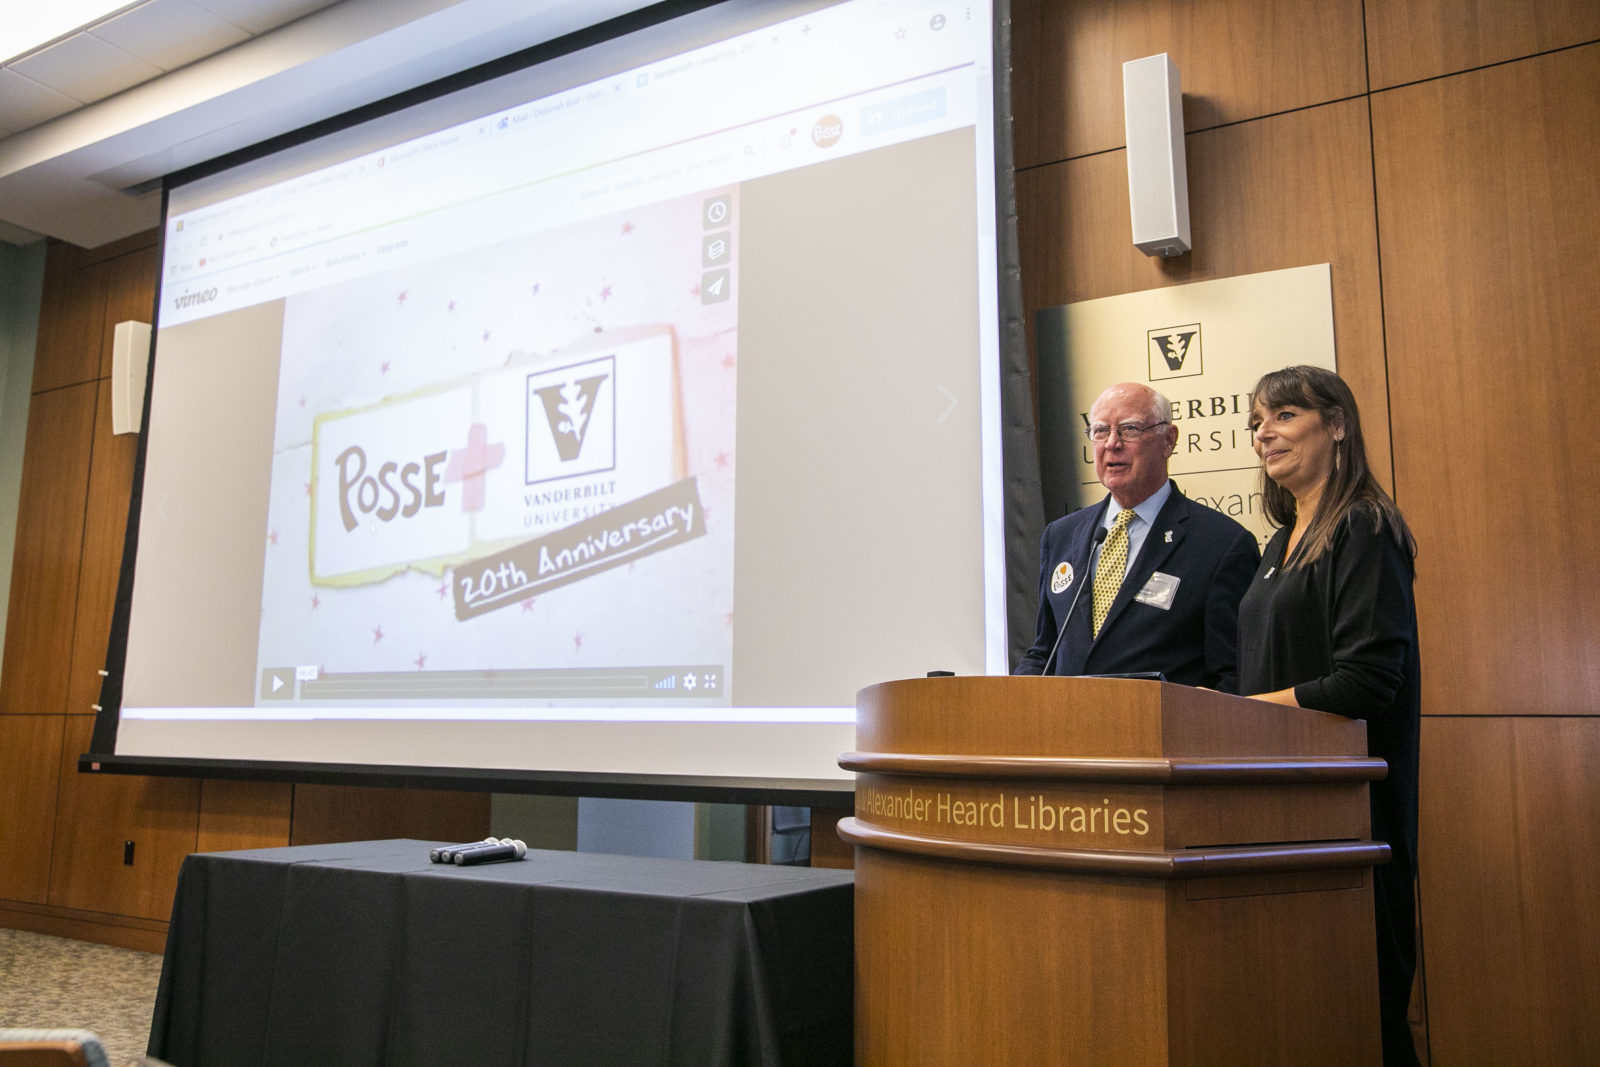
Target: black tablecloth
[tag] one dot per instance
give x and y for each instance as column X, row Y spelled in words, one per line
column 366, row 953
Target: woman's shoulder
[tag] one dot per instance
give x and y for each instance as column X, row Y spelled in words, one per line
column 1367, row 526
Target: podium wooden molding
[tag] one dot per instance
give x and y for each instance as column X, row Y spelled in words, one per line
column 1109, row 871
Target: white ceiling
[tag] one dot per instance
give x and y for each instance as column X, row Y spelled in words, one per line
column 90, row 121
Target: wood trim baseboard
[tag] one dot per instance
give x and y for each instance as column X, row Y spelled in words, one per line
column 121, row 931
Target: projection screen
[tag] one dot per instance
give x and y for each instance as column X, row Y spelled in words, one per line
column 611, row 420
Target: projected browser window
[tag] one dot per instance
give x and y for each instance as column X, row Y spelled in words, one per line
column 666, row 397
column 835, row 83
column 441, row 479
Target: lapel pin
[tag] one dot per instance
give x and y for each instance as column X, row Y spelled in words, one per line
column 1169, row 537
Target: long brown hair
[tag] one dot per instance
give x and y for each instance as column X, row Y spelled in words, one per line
column 1351, row 485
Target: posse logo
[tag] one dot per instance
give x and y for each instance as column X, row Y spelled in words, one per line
column 1175, row 352
column 393, row 490
column 1061, row 578
column 827, row 130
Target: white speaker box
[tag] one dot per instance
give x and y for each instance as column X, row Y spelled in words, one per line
column 1158, row 179
column 130, row 366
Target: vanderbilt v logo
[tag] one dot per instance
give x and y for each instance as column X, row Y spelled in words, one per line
column 1175, row 352
column 567, row 408
column 1174, row 346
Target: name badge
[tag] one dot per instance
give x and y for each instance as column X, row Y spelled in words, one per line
column 1159, row 591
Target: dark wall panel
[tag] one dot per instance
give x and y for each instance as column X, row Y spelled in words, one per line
column 105, row 522
column 1508, row 864
column 1409, row 40
column 29, row 770
column 236, row 815
column 96, row 814
column 1489, row 206
column 326, row 813
column 71, row 320
column 1239, row 60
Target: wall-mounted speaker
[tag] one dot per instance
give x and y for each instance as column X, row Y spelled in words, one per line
column 130, row 365
column 1158, row 179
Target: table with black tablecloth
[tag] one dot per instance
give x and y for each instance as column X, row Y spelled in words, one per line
column 367, row 953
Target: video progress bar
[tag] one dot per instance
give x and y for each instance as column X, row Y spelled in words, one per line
column 605, row 683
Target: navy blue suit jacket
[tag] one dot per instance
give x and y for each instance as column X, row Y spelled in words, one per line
column 1194, row 641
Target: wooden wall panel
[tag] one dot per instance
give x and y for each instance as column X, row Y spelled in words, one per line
column 1285, row 191
column 130, row 292
column 71, row 319
column 30, row 766
column 1409, row 40
column 1509, row 862
column 236, row 815
column 1238, row 59
column 828, row 849
column 44, row 570
column 105, row 523
column 1490, row 212
column 96, row 813
column 327, row 813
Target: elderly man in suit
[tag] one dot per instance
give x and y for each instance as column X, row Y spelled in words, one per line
column 1146, row 580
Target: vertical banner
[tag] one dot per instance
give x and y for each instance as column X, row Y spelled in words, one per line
column 1203, row 346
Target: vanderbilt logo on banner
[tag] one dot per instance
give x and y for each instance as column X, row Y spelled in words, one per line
column 1175, row 352
column 580, row 409
column 1156, row 337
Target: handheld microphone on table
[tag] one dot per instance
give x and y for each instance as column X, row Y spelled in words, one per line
column 1061, row 631
column 444, row 853
column 504, row 849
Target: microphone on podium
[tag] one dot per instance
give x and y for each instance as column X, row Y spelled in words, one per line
column 1061, row 631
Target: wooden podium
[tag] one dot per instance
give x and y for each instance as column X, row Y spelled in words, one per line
column 1099, row 871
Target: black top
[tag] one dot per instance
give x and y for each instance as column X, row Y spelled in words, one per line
column 1343, row 633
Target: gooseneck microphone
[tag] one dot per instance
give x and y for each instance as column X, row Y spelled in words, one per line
column 1061, row 631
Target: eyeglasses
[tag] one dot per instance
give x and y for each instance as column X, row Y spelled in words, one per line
column 1128, row 431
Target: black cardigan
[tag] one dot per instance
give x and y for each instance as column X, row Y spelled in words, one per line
column 1343, row 633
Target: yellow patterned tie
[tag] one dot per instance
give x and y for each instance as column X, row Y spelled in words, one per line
column 1108, row 572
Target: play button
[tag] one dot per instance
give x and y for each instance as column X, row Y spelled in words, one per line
column 277, row 683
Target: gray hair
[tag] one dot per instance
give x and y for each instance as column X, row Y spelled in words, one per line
column 1161, row 407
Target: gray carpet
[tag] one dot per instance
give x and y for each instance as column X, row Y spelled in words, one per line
column 55, row 983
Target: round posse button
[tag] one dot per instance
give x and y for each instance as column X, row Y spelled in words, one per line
column 826, row 131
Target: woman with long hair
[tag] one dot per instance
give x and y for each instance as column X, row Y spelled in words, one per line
column 1330, row 624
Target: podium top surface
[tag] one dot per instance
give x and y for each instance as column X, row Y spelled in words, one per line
column 1090, row 718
